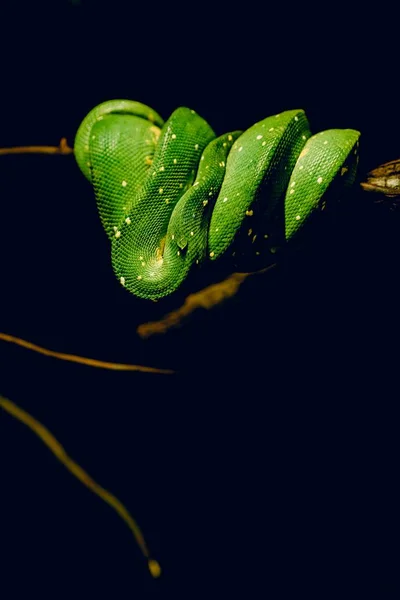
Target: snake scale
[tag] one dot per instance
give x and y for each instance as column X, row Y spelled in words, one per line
column 173, row 195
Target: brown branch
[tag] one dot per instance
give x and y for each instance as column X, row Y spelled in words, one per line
column 207, row 298
column 63, row 148
column 384, row 180
column 57, row 449
column 91, row 362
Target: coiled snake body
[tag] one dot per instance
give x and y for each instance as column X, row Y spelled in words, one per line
column 173, row 195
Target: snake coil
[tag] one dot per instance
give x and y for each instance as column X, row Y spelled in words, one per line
column 173, row 195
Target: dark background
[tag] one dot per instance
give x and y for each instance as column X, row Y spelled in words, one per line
column 268, row 466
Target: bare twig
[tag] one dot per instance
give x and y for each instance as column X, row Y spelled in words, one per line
column 206, row 298
column 56, row 448
column 91, row 362
column 63, row 148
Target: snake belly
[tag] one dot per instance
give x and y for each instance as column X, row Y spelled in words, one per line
column 173, row 195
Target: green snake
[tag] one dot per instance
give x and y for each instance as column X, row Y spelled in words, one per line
column 173, row 196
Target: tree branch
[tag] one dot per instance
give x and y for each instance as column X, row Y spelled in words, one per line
column 206, row 298
column 91, row 362
column 57, row 449
column 63, row 148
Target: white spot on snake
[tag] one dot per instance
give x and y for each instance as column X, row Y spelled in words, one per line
column 175, row 161
column 197, row 261
column 301, row 167
column 240, row 149
column 192, row 111
column 100, row 118
column 196, row 146
column 122, row 280
column 181, row 185
column 161, row 169
column 298, row 218
column 197, row 183
column 139, row 277
column 191, row 233
column 166, row 200
column 143, row 264
column 249, row 213
column 303, row 137
column 93, row 137
column 259, row 137
column 292, row 191
column 217, row 229
column 161, row 190
column 178, row 253
column 117, row 234
column 124, row 183
column 325, row 142
column 296, row 118
column 277, row 116
column 225, row 200
column 173, row 136
column 211, row 254
column 202, row 158
column 224, row 144
column 230, row 138
column 263, row 144
column 293, row 184
column 205, row 202
column 271, row 129
column 210, row 193
column 172, row 237
column 115, row 228
column 140, row 257
column 128, row 221
column 319, row 180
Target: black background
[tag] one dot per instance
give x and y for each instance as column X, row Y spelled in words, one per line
column 268, row 465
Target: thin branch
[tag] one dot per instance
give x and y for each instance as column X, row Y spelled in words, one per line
column 206, row 298
column 63, row 148
column 57, row 449
column 91, row 362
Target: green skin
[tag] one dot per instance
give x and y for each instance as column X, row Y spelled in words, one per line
column 172, row 195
